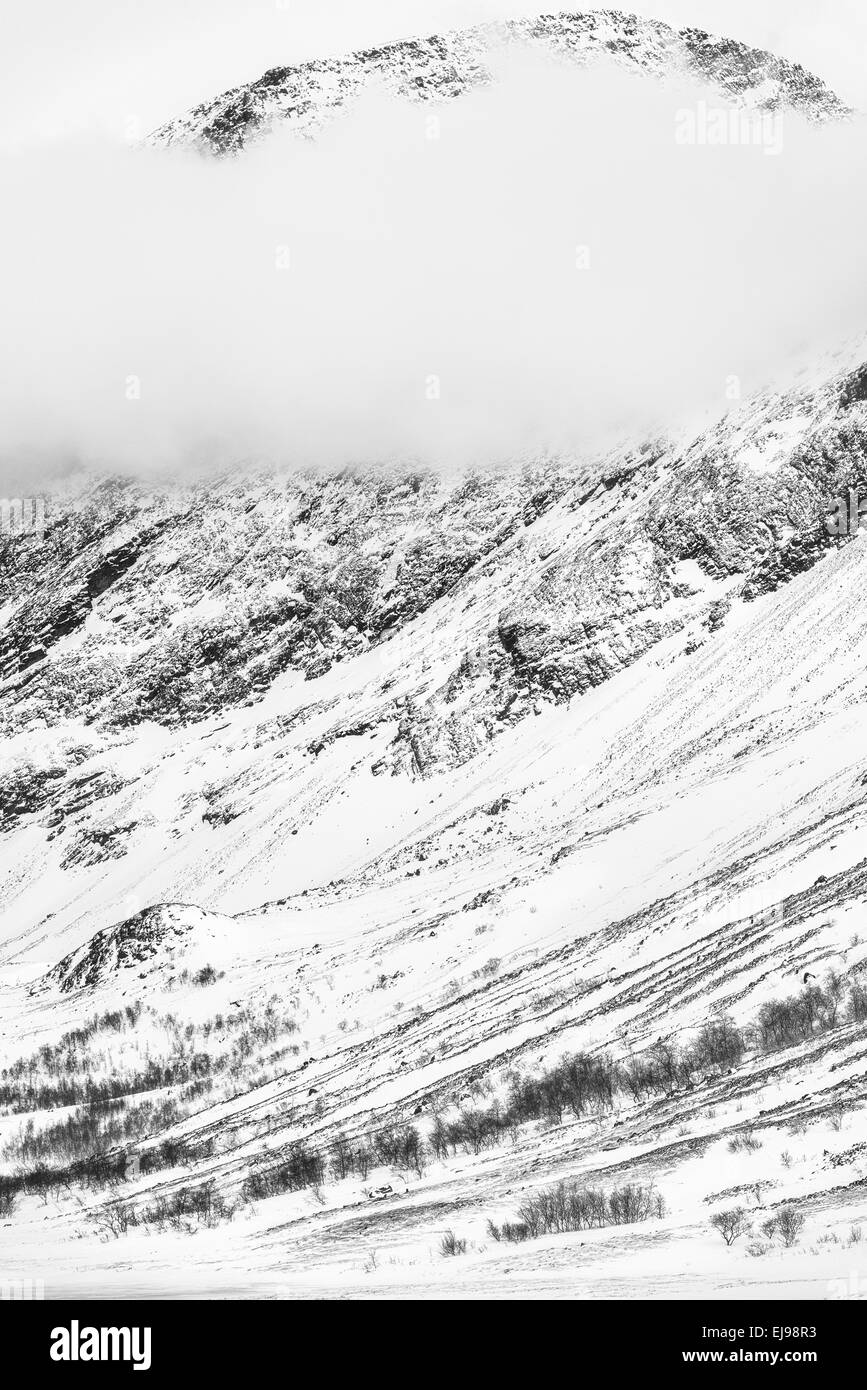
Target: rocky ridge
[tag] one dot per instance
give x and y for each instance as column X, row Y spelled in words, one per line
column 303, row 98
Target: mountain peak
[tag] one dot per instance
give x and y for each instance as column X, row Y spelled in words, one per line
column 305, row 96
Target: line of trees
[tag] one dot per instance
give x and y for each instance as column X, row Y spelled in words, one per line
column 300, row 1167
column 570, row 1207
column 578, row 1084
column 61, row 1074
column 184, row 1209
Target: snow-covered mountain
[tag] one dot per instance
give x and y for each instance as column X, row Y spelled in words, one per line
column 303, row 98
column 167, row 607
column 379, row 850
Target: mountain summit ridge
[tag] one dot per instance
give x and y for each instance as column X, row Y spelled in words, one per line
column 304, row 96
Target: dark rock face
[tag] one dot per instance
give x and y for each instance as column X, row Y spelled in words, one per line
column 27, row 788
column 87, row 544
column 94, row 846
column 303, row 98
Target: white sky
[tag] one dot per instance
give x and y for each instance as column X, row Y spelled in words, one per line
column 68, row 66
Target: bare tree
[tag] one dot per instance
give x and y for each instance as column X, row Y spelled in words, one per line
column 731, row 1224
column 790, row 1223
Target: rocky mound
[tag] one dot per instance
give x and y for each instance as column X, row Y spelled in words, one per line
column 143, row 943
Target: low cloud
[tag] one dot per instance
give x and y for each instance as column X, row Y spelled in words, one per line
column 546, row 263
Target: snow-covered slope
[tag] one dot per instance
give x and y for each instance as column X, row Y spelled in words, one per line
column 304, row 97
column 444, row 855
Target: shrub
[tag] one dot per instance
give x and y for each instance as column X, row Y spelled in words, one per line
column 730, row 1224
column 301, row 1168
column 115, row 1218
column 568, row 1207
column 744, row 1143
column 790, row 1223
column 451, row 1245
column 514, row 1231
column 206, row 976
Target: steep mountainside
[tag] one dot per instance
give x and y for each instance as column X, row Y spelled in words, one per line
column 304, row 97
column 144, row 607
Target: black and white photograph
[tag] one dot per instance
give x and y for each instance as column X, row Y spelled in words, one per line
column 433, row 666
